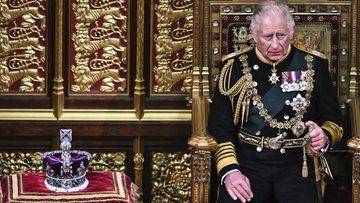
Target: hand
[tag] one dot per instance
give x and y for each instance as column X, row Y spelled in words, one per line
column 238, row 186
column 318, row 137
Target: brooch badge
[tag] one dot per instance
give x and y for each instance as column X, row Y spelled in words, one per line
column 298, row 103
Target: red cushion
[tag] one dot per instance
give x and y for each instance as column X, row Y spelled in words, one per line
column 103, row 187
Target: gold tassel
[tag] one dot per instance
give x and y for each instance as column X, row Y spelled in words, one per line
column 304, row 171
column 247, row 108
column 243, row 105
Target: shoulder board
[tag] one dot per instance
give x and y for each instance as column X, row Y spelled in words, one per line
column 313, row 52
column 241, row 51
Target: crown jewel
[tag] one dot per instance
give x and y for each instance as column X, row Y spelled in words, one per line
column 66, row 169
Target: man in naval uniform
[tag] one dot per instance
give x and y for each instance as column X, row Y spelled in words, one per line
column 274, row 104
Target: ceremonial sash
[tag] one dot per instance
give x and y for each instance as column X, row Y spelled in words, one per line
column 274, row 99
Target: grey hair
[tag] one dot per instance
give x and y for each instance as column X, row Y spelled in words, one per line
column 274, row 7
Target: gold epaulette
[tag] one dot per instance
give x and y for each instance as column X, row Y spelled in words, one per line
column 313, row 52
column 241, row 51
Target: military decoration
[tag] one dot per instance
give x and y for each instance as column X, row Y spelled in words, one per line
column 298, row 103
column 274, row 78
column 294, row 81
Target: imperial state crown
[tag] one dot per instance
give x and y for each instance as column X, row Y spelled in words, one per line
column 66, row 169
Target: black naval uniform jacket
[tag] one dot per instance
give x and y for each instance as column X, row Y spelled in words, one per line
column 323, row 110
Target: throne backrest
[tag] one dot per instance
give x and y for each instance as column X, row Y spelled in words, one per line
column 316, row 35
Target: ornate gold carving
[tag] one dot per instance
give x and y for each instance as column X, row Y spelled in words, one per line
column 22, row 54
column 92, row 38
column 355, row 67
column 21, row 8
column 11, row 163
column 173, row 45
column 88, row 11
column 139, row 161
column 201, row 167
column 242, row 38
column 85, row 45
column 20, row 38
column 108, row 162
column 309, row 38
column 171, row 177
column 87, row 74
column 356, row 169
column 202, row 164
column 356, row 177
column 16, row 68
column 313, row 37
column 201, row 145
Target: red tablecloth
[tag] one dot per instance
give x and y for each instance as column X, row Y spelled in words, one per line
column 103, row 187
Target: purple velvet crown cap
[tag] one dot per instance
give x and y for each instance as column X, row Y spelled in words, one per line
column 78, row 159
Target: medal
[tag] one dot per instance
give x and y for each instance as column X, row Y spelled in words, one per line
column 285, row 87
column 299, row 103
column 273, row 78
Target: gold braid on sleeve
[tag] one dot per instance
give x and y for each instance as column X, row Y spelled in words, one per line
column 225, row 155
column 241, row 88
column 335, row 131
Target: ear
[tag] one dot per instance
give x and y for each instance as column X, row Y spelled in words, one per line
column 291, row 37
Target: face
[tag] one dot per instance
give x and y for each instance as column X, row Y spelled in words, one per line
column 273, row 37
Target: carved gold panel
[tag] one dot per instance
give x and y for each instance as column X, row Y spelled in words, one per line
column 171, row 46
column 23, row 66
column 99, row 47
column 171, row 175
column 108, row 162
column 16, row 162
column 325, row 28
